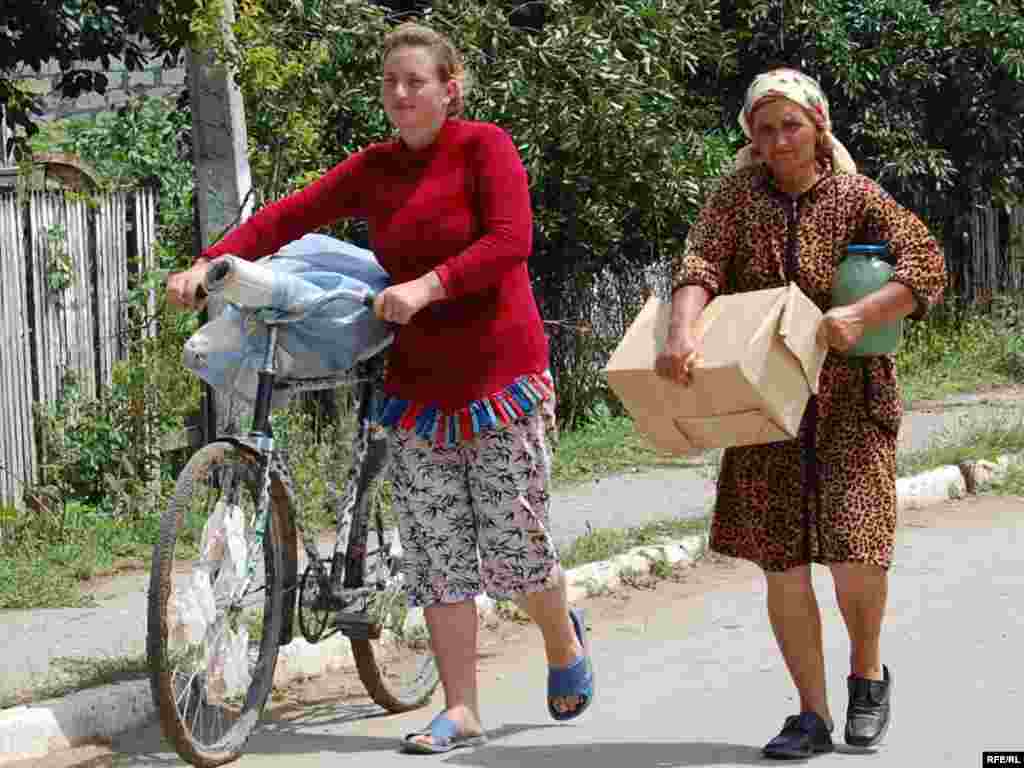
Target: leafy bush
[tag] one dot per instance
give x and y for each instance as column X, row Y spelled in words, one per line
column 108, row 451
column 318, row 449
column 318, row 455
column 962, row 348
column 147, row 142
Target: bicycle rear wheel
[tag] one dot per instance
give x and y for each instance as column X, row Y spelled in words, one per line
column 390, row 643
column 216, row 604
column 396, row 663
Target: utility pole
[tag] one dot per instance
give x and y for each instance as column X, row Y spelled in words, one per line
column 222, row 179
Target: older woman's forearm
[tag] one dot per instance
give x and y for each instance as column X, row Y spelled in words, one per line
column 888, row 304
column 687, row 304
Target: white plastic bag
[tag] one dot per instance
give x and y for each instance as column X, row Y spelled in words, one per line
column 182, row 618
column 237, row 560
column 234, row 565
column 215, row 685
column 227, row 666
column 236, row 663
column 191, row 610
column 214, row 539
column 202, row 591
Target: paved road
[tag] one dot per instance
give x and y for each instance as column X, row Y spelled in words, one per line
column 635, row 498
column 32, row 640
column 694, row 679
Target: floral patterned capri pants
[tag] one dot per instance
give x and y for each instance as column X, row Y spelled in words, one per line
column 473, row 517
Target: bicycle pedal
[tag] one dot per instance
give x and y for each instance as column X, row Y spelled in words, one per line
column 357, row 626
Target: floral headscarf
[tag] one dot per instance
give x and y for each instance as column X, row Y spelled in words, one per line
column 800, row 89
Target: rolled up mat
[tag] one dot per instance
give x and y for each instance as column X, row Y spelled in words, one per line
column 241, row 282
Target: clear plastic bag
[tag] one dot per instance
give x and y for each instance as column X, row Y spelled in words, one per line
column 228, row 351
column 181, row 618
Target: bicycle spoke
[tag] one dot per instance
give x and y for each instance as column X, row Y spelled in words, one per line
column 197, row 720
column 185, row 691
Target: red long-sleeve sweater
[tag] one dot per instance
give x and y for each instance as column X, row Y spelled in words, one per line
column 460, row 207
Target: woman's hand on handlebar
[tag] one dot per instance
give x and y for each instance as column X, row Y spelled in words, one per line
column 187, row 289
column 398, row 303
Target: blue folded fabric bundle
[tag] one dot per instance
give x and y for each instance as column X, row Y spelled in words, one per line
column 228, row 352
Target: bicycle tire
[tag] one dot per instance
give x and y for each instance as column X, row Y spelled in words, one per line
column 392, row 698
column 397, row 667
column 237, row 717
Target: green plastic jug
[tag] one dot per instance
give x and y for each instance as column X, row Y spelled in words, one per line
column 864, row 270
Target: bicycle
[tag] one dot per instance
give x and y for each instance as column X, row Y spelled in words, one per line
column 210, row 678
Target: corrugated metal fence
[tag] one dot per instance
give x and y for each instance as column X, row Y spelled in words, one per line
column 65, row 267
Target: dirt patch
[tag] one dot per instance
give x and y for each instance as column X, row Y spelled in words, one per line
column 88, row 756
column 973, row 512
column 983, row 395
column 99, row 588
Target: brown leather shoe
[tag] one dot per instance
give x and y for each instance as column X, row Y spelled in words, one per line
column 870, row 709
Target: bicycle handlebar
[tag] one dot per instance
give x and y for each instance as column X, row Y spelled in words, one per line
column 218, row 270
column 366, row 298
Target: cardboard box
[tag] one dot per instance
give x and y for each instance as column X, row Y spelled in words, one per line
column 760, row 364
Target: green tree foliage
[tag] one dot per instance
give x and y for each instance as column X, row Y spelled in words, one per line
column 927, row 94
column 624, row 113
column 620, row 137
column 147, row 142
column 80, row 33
column 618, row 148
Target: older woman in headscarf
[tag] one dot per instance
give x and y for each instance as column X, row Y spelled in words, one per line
column 786, row 214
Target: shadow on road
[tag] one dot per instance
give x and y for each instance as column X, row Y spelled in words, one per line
column 297, row 735
column 634, row 754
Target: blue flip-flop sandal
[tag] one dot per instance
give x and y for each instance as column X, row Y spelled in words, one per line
column 575, row 680
column 445, row 735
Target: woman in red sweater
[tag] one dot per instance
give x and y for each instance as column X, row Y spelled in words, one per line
column 468, row 392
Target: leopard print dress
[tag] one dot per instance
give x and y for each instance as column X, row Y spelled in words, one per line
column 830, row 494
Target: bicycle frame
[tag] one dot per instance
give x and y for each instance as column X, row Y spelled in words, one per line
column 345, row 582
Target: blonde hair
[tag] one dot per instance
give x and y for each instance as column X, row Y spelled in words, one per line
column 450, row 66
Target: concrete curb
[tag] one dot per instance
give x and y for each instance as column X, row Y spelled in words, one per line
column 99, row 714
column 95, row 714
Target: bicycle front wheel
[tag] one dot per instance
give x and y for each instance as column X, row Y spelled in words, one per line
column 216, row 604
